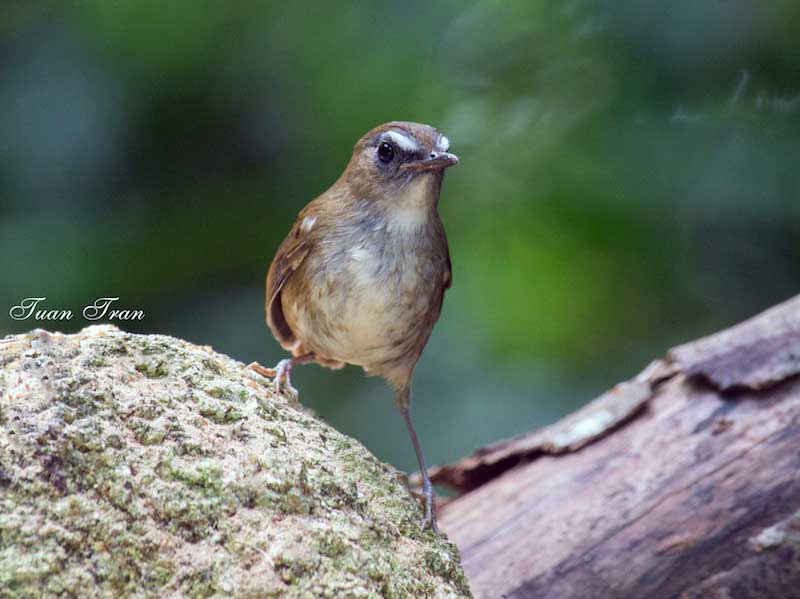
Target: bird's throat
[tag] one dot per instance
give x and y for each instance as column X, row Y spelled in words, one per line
column 415, row 203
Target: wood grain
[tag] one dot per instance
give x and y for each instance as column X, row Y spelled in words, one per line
column 697, row 494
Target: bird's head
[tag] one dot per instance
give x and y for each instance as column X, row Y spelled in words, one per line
column 396, row 156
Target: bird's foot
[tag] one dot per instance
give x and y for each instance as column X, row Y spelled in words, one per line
column 428, row 499
column 281, row 374
column 262, row 370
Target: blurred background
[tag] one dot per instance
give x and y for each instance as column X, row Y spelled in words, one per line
column 629, row 180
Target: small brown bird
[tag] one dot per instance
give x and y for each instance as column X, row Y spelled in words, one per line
column 361, row 277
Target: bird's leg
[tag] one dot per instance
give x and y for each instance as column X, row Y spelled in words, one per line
column 282, row 371
column 283, row 376
column 262, row 370
column 427, row 487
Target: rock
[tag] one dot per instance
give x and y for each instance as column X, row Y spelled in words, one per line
column 145, row 466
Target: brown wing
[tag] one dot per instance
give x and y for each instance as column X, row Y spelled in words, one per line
column 447, row 273
column 288, row 259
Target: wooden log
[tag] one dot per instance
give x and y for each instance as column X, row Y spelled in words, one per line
column 682, row 483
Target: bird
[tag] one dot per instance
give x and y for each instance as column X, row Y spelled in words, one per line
column 360, row 279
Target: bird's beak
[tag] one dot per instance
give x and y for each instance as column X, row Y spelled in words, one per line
column 435, row 161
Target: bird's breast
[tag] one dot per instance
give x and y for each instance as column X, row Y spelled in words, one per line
column 370, row 291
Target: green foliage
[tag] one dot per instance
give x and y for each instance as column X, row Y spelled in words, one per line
column 628, row 176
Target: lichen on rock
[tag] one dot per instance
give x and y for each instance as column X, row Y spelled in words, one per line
column 145, row 466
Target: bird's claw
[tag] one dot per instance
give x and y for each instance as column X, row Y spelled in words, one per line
column 280, row 375
column 283, row 372
column 262, row 370
column 427, row 497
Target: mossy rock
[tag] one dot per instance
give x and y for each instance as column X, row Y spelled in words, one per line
column 144, row 466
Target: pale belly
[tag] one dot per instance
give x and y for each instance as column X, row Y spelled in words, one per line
column 364, row 310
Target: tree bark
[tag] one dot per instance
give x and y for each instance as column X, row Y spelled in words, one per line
column 681, row 483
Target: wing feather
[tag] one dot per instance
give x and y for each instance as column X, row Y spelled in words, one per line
column 288, row 259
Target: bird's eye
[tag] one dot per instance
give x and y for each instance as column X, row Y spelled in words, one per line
column 385, row 152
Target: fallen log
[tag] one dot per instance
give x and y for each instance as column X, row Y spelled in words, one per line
column 681, row 483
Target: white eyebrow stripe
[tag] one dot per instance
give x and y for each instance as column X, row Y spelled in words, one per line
column 443, row 144
column 405, row 143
